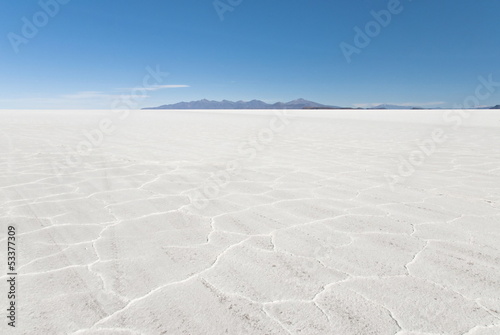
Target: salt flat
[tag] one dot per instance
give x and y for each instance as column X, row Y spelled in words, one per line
column 253, row 222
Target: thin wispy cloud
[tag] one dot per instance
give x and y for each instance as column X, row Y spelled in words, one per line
column 155, row 87
column 90, row 99
column 81, row 99
column 159, row 87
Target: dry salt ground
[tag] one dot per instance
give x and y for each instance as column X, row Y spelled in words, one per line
column 252, row 222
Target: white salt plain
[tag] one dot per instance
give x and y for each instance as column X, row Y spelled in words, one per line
column 252, row 222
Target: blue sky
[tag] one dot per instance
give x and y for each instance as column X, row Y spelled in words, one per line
column 90, row 52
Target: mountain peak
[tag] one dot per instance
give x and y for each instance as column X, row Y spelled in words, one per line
column 253, row 104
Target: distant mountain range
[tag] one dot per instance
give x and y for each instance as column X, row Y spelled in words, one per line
column 258, row 104
column 387, row 106
column 254, row 104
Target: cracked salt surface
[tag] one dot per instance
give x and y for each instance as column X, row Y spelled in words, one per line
column 308, row 238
